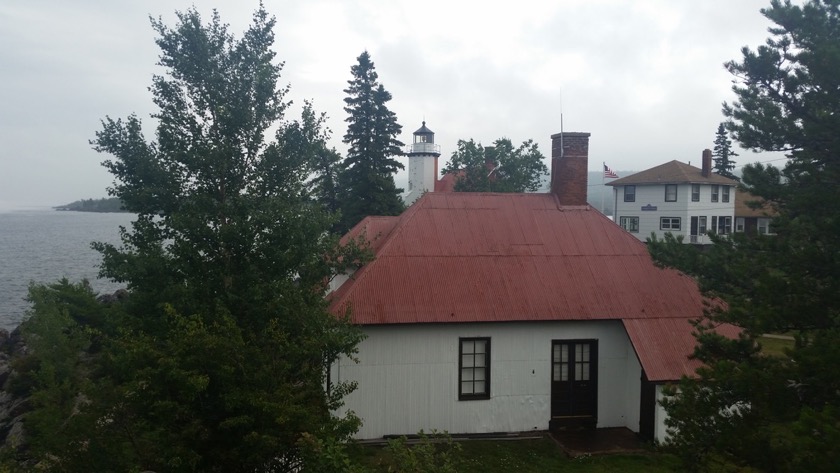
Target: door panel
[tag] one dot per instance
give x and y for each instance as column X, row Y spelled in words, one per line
column 574, row 375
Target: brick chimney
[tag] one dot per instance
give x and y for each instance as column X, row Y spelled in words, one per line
column 569, row 167
column 707, row 162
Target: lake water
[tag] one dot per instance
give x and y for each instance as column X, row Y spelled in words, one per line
column 44, row 245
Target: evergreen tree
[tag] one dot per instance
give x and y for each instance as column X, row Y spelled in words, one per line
column 368, row 177
column 497, row 168
column 747, row 408
column 723, row 154
column 218, row 359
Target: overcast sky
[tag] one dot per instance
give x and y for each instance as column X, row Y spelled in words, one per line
column 645, row 77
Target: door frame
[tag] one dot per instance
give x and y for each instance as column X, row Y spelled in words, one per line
column 575, row 420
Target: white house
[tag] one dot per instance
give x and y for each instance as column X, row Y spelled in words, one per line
column 489, row 313
column 678, row 198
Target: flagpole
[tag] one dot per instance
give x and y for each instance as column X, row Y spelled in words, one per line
column 603, row 185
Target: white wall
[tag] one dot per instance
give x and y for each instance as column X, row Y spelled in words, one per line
column 659, row 433
column 684, row 208
column 408, row 377
column 421, row 176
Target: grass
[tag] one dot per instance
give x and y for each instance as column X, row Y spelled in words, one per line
column 533, row 455
column 774, row 346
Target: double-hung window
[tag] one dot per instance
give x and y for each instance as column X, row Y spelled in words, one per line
column 473, row 368
column 670, row 192
column 715, row 192
column 724, row 194
column 629, row 193
column 631, row 224
column 695, row 192
column 724, row 225
column 669, row 223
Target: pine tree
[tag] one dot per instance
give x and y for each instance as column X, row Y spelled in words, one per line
column 723, row 154
column 747, row 408
column 367, row 180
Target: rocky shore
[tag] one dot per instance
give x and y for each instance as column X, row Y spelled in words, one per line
column 12, row 408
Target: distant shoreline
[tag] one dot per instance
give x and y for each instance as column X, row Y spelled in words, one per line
column 107, row 205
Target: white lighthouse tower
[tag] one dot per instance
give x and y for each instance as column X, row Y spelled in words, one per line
column 422, row 164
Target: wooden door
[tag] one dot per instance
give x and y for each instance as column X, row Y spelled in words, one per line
column 574, row 378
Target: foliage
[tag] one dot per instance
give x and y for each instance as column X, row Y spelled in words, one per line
column 747, row 409
column 434, row 453
column 527, row 455
column 217, row 361
column 367, row 179
column 112, row 204
column 723, row 154
column 497, row 168
column 326, row 165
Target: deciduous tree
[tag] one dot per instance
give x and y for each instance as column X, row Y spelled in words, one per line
column 368, row 177
column 747, row 408
column 497, row 168
column 217, row 361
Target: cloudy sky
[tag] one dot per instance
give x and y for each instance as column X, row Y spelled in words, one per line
column 645, row 77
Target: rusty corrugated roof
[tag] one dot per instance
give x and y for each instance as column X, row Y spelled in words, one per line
column 375, row 231
column 483, row 257
column 673, row 172
column 657, row 340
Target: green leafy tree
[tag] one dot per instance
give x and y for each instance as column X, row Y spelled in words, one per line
column 747, row 408
column 367, row 180
column 497, row 168
column 723, row 154
column 217, row 361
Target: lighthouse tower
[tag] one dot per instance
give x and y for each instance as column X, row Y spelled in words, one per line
column 422, row 164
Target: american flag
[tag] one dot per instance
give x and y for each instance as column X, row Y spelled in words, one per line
column 609, row 173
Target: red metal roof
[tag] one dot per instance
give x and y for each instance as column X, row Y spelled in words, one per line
column 482, row 257
column 657, row 340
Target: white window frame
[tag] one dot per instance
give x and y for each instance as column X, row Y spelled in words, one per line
column 667, row 224
column 629, row 196
column 631, row 224
column 674, row 195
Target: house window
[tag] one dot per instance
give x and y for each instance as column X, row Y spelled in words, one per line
column 695, row 192
column 715, row 192
column 764, row 226
column 473, row 368
column 670, row 192
column 724, row 225
column 702, row 226
column 631, row 224
column 724, row 196
column 739, row 224
column 669, row 223
column 629, row 193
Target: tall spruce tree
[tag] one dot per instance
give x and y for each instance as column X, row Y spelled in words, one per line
column 367, row 180
column 748, row 408
column 217, row 360
column 497, row 168
column 723, row 154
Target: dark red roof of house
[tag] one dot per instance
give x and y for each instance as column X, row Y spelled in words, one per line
column 446, row 183
column 481, row 257
column 672, row 172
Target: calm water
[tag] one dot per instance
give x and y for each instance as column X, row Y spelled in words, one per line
column 46, row 245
